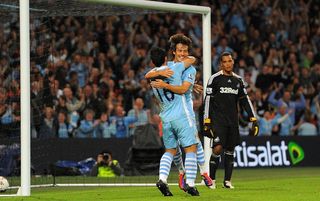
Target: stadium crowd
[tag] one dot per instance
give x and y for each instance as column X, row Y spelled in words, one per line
column 87, row 73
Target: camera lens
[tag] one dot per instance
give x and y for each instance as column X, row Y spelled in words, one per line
column 105, row 156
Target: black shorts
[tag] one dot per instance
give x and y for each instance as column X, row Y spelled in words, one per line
column 226, row 136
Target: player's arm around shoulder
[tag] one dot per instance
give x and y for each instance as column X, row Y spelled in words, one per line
column 188, row 61
column 188, row 78
column 164, row 71
column 177, row 89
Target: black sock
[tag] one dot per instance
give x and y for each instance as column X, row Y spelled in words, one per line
column 228, row 165
column 214, row 164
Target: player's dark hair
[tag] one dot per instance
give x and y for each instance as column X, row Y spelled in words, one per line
column 179, row 38
column 158, row 56
column 224, row 54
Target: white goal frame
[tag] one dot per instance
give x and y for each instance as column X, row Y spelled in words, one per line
column 25, row 69
column 25, row 98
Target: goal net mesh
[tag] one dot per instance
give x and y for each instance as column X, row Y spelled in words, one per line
column 100, row 53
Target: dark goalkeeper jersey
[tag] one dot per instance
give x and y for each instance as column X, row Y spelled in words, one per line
column 223, row 94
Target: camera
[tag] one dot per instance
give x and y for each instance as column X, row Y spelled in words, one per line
column 106, row 156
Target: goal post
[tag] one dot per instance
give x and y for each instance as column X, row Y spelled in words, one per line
column 206, row 44
column 25, row 98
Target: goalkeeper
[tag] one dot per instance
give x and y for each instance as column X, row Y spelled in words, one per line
column 225, row 90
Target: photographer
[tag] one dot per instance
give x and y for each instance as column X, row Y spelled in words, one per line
column 106, row 166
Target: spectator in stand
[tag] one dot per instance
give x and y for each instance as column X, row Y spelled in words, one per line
column 91, row 101
column 260, row 102
column 264, row 79
column 316, row 101
column 130, row 87
column 94, row 76
column 8, row 118
column 315, row 75
column 79, row 67
column 237, row 19
column 56, row 92
column 61, row 104
column 286, row 100
column 104, row 84
column 223, row 46
column 276, row 74
column 305, row 81
column 275, row 58
column 267, row 122
column 285, row 126
column 61, row 73
column 73, row 104
column 146, row 93
column 143, row 116
column 40, row 56
column 250, row 85
column 122, row 122
column 47, row 127
column 37, row 107
column 53, row 93
column 73, row 82
column 88, row 125
column 306, row 127
column 106, row 129
column 63, row 128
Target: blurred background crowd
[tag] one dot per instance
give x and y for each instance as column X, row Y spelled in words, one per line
column 87, row 73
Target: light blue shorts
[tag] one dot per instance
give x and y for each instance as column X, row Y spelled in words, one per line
column 183, row 130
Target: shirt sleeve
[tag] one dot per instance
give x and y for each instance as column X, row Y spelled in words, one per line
column 189, row 75
column 244, row 99
column 208, row 96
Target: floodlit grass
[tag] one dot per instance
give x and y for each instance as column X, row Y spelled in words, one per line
column 251, row 184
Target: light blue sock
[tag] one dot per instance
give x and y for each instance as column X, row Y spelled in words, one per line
column 200, row 158
column 177, row 159
column 165, row 166
column 191, row 168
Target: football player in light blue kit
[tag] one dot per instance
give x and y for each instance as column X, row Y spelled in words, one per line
column 177, row 123
column 188, row 79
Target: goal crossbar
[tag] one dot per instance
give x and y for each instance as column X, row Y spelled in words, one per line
column 154, row 5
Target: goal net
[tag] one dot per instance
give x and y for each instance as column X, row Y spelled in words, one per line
column 87, row 66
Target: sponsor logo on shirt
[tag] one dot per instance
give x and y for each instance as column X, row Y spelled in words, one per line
column 228, row 90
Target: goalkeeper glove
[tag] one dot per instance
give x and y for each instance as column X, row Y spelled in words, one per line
column 254, row 130
column 208, row 130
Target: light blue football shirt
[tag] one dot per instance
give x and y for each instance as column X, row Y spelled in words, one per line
column 173, row 106
column 188, row 75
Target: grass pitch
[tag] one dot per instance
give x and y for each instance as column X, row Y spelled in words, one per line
column 250, row 184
